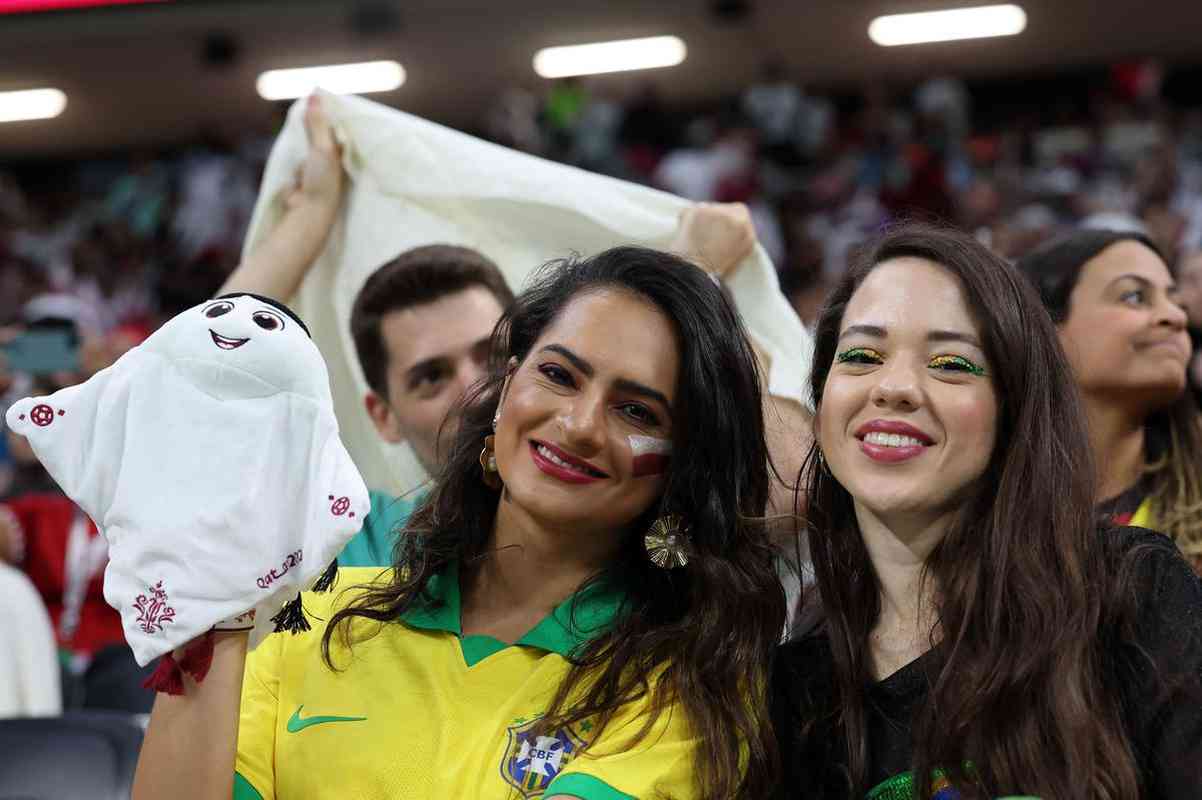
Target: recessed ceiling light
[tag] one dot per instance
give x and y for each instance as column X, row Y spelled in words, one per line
column 948, row 25
column 617, row 56
column 29, row 104
column 30, row 6
column 369, row 76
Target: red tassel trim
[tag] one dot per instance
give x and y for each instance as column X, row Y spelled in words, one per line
column 167, row 677
column 198, row 658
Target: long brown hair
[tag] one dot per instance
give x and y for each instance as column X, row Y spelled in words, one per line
column 701, row 636
column 1019, row 683
column 1173, row 444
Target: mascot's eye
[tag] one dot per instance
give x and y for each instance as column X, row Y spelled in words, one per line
column 219, row 309
column 268, row 320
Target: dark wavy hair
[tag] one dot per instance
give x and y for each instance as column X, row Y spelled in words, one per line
column 1020, row 683
column 701, row 636
column 1173, row 444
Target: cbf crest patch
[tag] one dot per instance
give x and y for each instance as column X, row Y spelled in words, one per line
column 532, row 761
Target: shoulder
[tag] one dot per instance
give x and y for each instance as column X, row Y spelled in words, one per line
column 1159, row 595
column 386, row 507
column 351, row 584
column 1150, row 563
column 320, row 607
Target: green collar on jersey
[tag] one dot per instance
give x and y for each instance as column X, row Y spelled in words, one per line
column 575, row 621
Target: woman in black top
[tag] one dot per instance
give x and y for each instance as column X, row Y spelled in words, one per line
column 966, row 636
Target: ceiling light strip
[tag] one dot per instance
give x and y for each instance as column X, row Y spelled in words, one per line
column 618, row 56
column 31, row 104
column 363, row 78
column 948, row 25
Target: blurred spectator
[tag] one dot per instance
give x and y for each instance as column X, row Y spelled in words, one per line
column 64, row 555
column 512, row 121
column 596, row 143
column 216, row 195
column 29, row 673
column 565, row 105
column 647, row 132
column 1189, row 286
column 794, row 128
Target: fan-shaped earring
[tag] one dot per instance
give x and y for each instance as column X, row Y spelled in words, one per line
column 666, row 542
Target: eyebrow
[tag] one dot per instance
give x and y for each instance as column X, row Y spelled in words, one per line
column 421, row 367
column 877, row 332
column 577, row 362
column 440, row 360
column 623, row 384
column 1171, row 288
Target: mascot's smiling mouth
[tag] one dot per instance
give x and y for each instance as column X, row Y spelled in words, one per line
column 224, row 343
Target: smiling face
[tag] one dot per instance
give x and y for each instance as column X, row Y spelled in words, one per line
column 264, row 317
column 241, row 346
column 1125, row 331
column 585, row 420
column 908, row 416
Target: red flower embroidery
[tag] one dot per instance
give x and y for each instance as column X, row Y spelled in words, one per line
column 153, row 611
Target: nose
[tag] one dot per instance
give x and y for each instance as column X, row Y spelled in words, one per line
column 1172, row 315
column 896, row 386
column 583, row 423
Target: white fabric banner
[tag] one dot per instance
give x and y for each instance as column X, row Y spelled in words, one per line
column 414, row 183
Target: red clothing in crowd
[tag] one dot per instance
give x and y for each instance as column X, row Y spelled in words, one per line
column 65, row 557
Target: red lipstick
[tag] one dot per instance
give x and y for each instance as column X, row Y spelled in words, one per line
column 562, row 465
column 888, row 453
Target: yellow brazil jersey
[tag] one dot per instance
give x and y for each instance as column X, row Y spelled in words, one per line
column 418, row 711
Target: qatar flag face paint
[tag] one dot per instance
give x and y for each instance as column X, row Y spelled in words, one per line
column 651, row 455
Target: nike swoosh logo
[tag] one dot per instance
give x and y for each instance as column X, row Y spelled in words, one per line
column 296, row 724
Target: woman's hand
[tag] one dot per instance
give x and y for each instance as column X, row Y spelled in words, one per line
column 718, row 236
column 320, row 180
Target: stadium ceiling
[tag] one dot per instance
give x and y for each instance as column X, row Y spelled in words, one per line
column 161, row 73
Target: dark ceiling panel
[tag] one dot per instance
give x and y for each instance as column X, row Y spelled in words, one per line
column 137, row 76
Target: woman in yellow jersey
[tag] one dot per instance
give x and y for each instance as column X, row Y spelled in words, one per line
column 1115, row 304
column 971, row 632
column 584, row 607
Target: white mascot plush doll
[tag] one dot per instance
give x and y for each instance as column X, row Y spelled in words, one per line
column 210, row 459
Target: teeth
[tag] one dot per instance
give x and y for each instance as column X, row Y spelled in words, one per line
column 554, row 459
column 891, row 440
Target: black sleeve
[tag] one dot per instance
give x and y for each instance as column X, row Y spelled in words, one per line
column 1163, row 692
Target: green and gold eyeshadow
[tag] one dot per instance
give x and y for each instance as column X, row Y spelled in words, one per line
column 859, row 355
column 956, row 364
column 949, row 363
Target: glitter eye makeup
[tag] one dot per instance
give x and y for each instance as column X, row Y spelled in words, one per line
column 651, row 455
column 956, row 364
column 859, row 355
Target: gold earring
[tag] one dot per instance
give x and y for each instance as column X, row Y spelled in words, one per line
column 488, row 463
column 666, row 541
